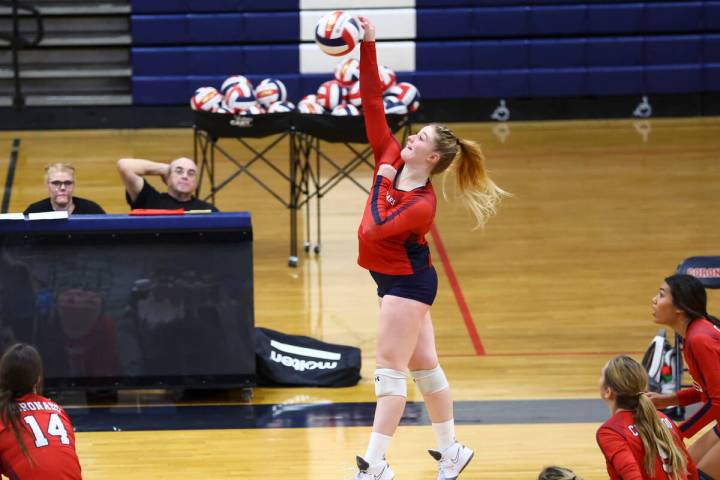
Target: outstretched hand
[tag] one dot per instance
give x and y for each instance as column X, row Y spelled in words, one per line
column 368, row 27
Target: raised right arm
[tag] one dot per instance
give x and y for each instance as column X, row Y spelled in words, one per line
column 385, row 146
column 132, row 171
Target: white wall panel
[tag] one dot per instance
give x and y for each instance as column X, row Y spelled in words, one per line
column 400, row 56
column 390, row 23
column 345, row 4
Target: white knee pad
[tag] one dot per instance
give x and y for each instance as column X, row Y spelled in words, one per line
column 430, row 381
column 390, row 382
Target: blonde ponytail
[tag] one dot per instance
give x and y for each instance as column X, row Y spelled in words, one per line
column 477, row 190
column 628, row 379
column 657, row 439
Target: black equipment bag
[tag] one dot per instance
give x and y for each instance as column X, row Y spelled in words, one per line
column 294, row 360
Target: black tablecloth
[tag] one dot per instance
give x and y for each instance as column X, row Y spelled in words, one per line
column 330, row 128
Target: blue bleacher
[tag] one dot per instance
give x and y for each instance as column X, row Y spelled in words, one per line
column 564, row 52
column 207, row 28
column 500, row 3
column 711, row 77
column 562, row 20
column 615, row 81
column 206, row 60
column 464, row 48
column 194, row 6
column 479, row 22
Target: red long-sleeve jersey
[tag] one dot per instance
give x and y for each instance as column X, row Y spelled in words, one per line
column 395, row 222
column 624, row 452
column 48, row 435
column 701, row 350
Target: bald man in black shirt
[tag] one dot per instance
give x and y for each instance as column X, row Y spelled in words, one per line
column 181, row 179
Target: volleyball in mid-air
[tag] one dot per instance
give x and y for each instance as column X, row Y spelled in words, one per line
column 338, row 33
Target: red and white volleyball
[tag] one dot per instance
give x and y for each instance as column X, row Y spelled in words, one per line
column 253, row 109
column 239, row 97
column 345, row 110
column 207, row 99
column 387, row 77
column 338, row 33
column 347, row 72
column 269, row 91
column 281, row 107
column 407, row 93
column 394, row 106
column 330, row 94
column 230, row 82
column 310, row 108
column 353, row 95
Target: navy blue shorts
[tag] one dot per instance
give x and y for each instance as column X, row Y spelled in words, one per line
column 421, row 286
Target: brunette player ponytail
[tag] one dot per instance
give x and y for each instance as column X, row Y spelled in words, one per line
column 628, row 380
column 20, row 373
column 478, row 191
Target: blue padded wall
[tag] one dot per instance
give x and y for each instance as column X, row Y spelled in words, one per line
column 208, row 28
column 195, row 6
column 463, row 48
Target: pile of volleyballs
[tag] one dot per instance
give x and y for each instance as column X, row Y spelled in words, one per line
column 337, row 34
column 238, row 97
column 341, row 96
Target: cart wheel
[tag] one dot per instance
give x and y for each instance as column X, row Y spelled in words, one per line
column 306, row 246
column 292, row 261
column 317, row 248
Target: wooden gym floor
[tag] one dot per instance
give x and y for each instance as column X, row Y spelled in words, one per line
column 528, row 309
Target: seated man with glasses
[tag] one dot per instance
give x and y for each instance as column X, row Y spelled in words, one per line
column 180, row 176
column 60, row 182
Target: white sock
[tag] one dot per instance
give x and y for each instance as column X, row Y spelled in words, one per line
column 377, row 447
column 445, row 434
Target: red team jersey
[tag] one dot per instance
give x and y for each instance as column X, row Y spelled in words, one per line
column 701, row 349
column 624, row 452
column 48, row 435
column 395, row 222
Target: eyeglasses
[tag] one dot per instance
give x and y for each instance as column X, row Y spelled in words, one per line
column 180, row 170
column 66, row 184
